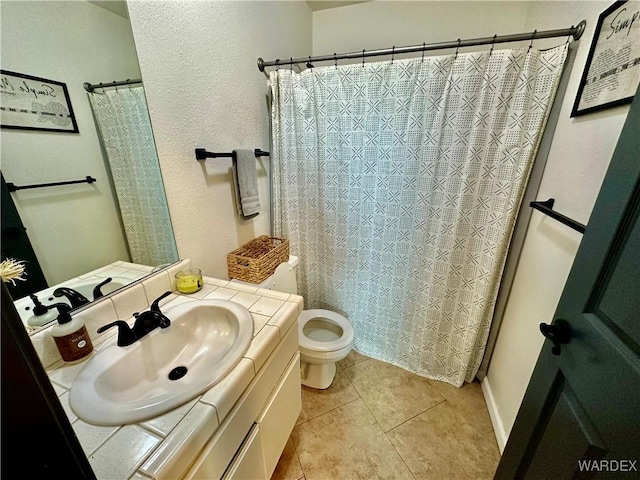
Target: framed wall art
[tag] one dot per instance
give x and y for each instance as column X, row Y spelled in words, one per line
column 33, row 103
column 612, row 73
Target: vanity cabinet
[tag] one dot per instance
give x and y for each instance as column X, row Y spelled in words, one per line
column 249, row 461
column 250, row 440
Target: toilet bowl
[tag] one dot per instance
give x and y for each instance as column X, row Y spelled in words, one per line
column 324, row 337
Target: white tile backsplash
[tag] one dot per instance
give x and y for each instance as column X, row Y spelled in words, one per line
column 130, row 300
column 156, row 285
column 46, row 347
column 243, row 287
column 171, row 271
column 97, row 315
column 216, row 281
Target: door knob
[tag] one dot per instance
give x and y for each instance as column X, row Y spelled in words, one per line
column 559, row 333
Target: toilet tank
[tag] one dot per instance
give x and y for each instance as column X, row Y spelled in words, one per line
column 268, row 282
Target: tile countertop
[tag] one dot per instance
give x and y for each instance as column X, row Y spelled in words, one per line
column 142, row 450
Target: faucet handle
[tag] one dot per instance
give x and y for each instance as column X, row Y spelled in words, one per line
column 155, row 307
column 126, row 336
column 97, row 293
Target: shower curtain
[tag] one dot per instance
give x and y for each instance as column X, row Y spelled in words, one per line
column 124, row 126
column 398, row 184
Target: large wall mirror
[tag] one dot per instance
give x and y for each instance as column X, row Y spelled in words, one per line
column 73, row 238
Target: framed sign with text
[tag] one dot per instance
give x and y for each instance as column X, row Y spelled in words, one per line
column 33, row 103
column 612, row 73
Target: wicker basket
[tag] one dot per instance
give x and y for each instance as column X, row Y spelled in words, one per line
column 253, row 262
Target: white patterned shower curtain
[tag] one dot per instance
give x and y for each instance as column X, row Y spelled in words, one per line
column 123, row 122
column 398, row 185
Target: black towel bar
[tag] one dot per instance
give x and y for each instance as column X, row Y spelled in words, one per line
column 547, row 208
column 13, row 187
column 202, row 154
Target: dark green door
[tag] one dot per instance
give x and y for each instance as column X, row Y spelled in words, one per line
column 580, row 416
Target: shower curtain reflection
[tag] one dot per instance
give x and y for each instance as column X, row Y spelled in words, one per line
column 125, row 129
column 398, row 184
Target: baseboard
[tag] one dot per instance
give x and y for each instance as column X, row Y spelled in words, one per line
column 496, row 420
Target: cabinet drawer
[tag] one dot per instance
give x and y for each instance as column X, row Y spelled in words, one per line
column 249, row 463
column 280, row 416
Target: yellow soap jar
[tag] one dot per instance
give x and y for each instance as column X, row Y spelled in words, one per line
column 189, row 280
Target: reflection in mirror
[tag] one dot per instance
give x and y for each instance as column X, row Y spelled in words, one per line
column 78, row 236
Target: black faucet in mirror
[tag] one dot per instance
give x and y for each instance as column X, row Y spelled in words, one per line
column 145, row 322
column 97, row 292
column 76, row 299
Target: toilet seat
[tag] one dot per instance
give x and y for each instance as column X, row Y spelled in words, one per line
column 306, row 343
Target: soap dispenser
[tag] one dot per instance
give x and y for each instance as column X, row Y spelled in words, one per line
column 70, row 335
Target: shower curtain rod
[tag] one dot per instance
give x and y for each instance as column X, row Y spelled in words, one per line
column 576, row 32
column 89, row 87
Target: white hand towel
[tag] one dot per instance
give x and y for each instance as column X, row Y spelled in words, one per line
column 247, row 178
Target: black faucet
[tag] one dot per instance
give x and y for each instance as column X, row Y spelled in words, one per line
column 76, row 299
column 97, row 293
column 145, row 322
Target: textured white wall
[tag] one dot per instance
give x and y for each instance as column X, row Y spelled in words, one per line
column 74, row 229
column 577, row 163
column 198, row 62
column 383, row 24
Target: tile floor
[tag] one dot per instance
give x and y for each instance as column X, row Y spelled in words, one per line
column 379, row 421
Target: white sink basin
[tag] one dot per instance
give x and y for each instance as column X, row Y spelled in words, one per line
column 122, row 385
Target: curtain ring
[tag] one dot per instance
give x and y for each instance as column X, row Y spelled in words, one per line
column 309, row 64
column 277, row 64
column 493, row 43
column 116, row 86
column 129, row 84
column 393, row 51
column 291, row 64
column 335, row 60
column 457, row 48
column 569, row 36
column 363, row 58
column 531, row 43
column 424, row 46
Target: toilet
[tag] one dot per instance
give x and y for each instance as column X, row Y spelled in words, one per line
column 324, row 337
